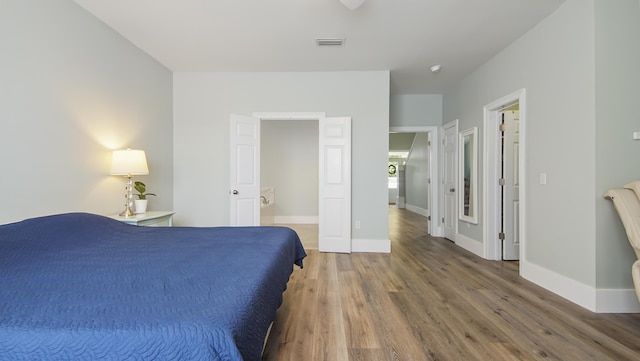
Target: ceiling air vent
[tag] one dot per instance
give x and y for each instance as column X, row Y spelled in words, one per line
column 329, row 41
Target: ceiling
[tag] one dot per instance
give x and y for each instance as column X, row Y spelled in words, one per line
column 406, row 37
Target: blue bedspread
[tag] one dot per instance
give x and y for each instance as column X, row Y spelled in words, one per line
column 85, row 287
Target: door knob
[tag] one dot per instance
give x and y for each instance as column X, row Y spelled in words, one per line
column 235, row 191
column 452, row 190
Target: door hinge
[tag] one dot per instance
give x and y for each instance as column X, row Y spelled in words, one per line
column 501, row 236
column 428, row 218
column 429, row 181
column 503, row 127
column 442, row 219
column 429, row 143
column 501, row 181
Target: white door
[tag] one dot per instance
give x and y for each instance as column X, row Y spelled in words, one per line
column 334, row 215
column 429, row 195
column 244, row 181
column 449, row 180
column 510, row 190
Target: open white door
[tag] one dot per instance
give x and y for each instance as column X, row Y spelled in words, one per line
column 449, row 179
column 334, row 228
column 244, row 182
column 510, row 190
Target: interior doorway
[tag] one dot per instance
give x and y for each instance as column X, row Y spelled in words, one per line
column 510, row 174
column 289, row 176
column 334, row 175
column 420, row 167
column 504, row 186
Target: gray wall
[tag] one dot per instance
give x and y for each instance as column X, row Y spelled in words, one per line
column 417, row 173
column 555, row 63
column 579, row 67
column 617, row 157
column 289, row 163
column 204, row 101
column 71, row 91
column 416, row 110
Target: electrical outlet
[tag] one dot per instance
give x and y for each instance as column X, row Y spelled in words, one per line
column 357, row 224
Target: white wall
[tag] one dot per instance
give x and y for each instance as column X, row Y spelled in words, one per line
column 289, row 163
column 203, row 102
column 71, row 90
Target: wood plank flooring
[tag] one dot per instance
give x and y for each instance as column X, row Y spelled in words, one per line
column 431, row 300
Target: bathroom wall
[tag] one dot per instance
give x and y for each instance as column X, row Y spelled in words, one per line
column 289, row 163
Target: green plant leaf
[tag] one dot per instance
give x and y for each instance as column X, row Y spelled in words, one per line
column 140, row 187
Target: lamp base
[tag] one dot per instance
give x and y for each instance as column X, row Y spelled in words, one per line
column 127, row 212
column 127, row 205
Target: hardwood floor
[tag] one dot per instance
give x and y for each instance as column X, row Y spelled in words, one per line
column 431, row 300
column 308, row 234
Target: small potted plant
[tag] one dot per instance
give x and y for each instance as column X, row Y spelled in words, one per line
column 141, row 202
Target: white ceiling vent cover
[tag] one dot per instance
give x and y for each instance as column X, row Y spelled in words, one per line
column 330, row 41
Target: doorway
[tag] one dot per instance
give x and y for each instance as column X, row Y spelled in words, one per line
column 289, row 175
column 504, row 186
column 334, row 175
column 423, row 186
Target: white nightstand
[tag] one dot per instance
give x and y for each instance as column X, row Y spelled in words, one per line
column 149, row 219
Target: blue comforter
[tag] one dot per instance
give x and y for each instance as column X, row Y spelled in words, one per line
column 85, row 287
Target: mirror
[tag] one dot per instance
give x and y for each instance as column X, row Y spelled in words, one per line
column 468, row 176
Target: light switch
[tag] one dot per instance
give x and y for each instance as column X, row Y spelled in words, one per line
column 543, row 178
column 636, row 135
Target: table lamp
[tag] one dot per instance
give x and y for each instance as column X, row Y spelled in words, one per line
column 128, row 163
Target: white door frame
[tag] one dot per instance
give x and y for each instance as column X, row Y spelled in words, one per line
column 434, row 226
column 493, row 246
column 289, row 115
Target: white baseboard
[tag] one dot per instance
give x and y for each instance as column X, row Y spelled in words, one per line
column 591, row 298
column 295, row 219
column 574, row 291
column 416, row 209
column 371, row 245
column 470, row 245
column 617, row 301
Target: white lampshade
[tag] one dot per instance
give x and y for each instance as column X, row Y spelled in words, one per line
column 129, row 162
column 352, row 4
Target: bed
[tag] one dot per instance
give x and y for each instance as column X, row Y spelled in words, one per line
column 81, row 286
